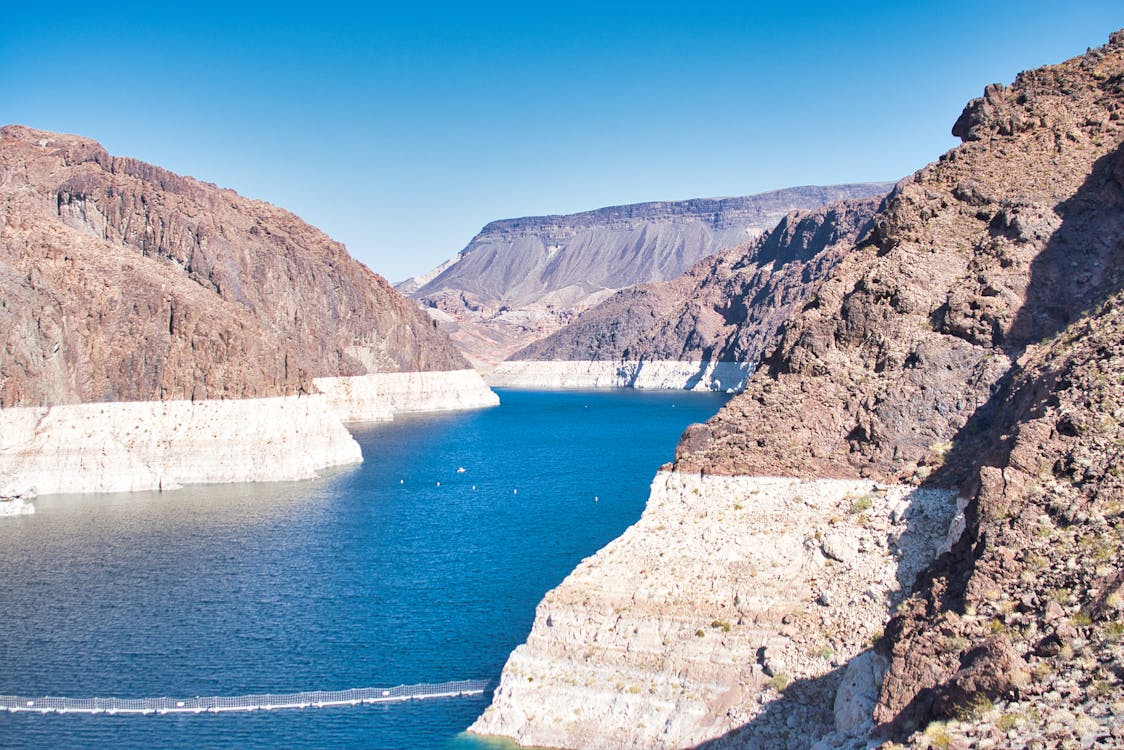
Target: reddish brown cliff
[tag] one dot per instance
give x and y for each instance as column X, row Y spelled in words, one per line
column 123, row 281
column 1000, row 244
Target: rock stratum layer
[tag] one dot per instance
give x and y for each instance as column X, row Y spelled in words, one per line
column 373, row 398
column 722, row 314
column 124, row 282
column 162, row 445
column 519, row 280
column 972, row 342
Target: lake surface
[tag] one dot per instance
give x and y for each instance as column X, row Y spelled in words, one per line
column 399, row 571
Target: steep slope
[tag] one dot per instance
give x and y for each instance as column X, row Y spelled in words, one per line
column 970, row 344
column 1000, row 244
column 1016, row 636
column 726, row 309
column 122, row 281
column 520, row 279
column 213, row 316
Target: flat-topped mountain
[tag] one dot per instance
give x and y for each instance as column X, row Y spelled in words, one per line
column 727, row 308
column 122, row 281
column 520, row 279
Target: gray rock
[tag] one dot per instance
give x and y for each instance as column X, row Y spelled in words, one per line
column 858, row 692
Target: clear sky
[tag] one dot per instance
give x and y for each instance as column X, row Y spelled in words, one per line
column 401, row 129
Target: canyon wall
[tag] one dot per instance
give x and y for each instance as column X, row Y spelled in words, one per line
column 971, row 344
column 157, row 330
column 122, row 281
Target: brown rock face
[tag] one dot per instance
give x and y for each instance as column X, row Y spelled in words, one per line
column 122, row 281
column 727, row 308
column 1000, row 244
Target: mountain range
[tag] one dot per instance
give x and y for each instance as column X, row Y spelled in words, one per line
column 519, row 280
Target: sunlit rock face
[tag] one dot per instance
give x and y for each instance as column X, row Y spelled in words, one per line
column 124, row 282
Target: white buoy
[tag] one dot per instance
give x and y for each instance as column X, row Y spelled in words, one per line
column 515, row 492
column 474, row 488
column 401, row 481
column 438, row 484
column 596, row 499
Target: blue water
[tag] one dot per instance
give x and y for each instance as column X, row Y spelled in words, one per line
column 401, row 570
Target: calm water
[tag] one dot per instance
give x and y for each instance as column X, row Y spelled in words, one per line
column 372, row 576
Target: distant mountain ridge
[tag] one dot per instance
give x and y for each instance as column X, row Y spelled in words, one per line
column 521, row 279
column 727, row 308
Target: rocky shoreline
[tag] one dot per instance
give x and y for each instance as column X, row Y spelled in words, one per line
column 728, row 377
column 727, row 591
column 161, row 445
column 969, row 346
column 378, row 397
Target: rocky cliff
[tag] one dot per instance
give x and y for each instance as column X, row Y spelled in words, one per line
column 521, row 279
column 972, row 343
column 122, row 281
column 157, row 330
column 728, row 308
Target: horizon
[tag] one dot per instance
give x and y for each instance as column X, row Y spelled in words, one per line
column 402, row 132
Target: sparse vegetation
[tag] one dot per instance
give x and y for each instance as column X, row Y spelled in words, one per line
column 862, row 504
column 976, row 707
column 937, row 735
column 778, row 682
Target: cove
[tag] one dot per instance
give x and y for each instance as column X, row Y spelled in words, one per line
column 401, row 570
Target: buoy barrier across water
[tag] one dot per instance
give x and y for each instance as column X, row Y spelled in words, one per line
column 259, row 701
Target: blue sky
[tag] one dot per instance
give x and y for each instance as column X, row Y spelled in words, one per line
column 402, row 129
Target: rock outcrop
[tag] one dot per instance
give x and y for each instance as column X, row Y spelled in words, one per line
column 733, row 601
column 722, row 314
column 972, row 343
column 519, row 280
column 999, row 245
